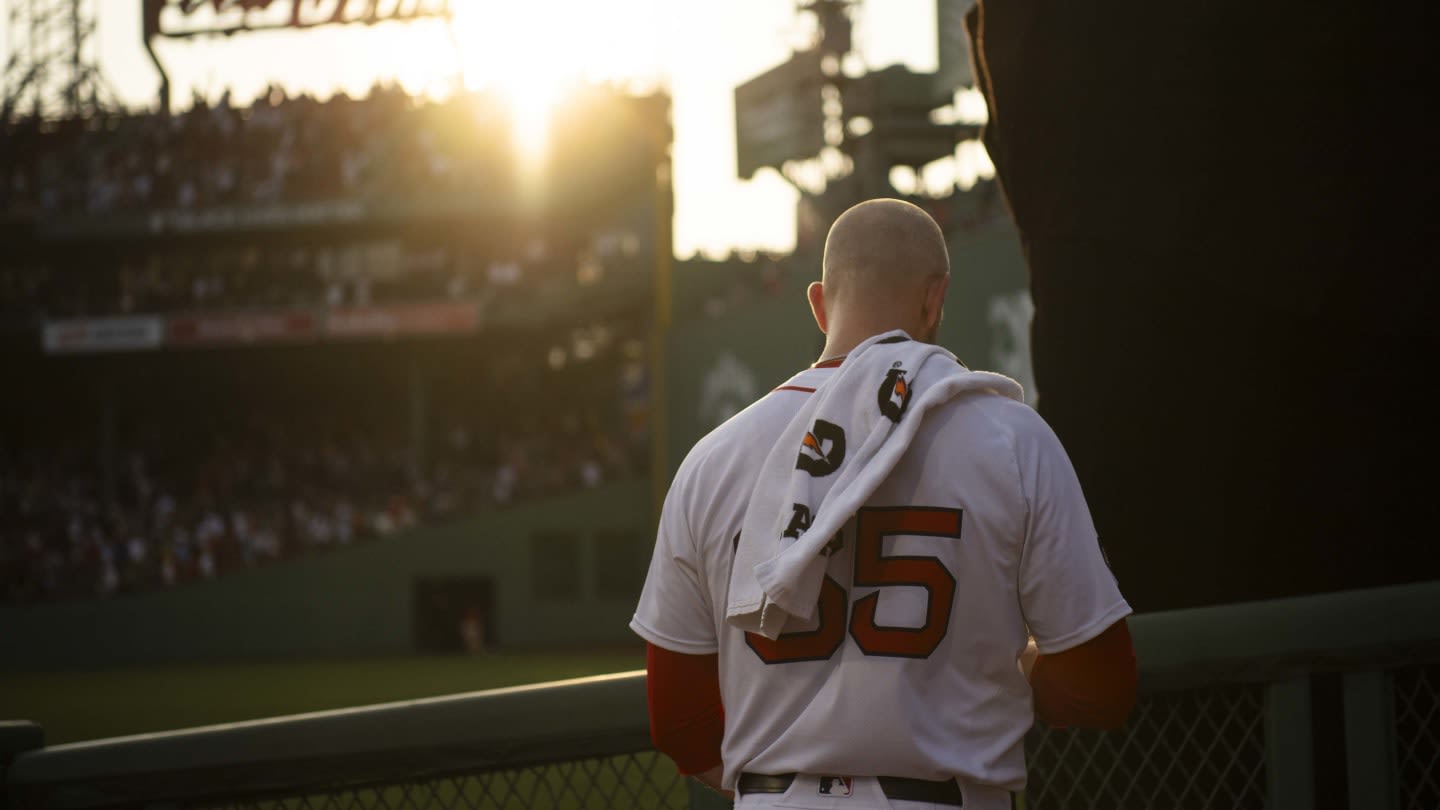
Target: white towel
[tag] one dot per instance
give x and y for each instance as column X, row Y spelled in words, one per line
column 848, row 437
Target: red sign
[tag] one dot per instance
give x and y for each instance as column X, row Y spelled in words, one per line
column 404, row 319
column 251, row 327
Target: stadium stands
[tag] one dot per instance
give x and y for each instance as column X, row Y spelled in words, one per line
column 255, row 331
column 192, row 497
column 226, row 378
column 278, row 149
column 333, row 273
column 356, row 201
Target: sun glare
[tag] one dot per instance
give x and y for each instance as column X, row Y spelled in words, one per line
column 531, row 104
column 531, row 51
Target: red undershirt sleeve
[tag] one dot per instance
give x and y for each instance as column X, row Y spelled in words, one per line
column 687, row 719
column 1091, row 685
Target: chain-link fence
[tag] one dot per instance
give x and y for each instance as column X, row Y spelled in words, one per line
column 643, row 781
column 1198, row 748
column 1201, row 748
column 1417, row 735
column 1221, row 724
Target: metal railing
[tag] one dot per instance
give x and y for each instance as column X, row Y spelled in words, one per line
column 637, row 780
column 1226, row 720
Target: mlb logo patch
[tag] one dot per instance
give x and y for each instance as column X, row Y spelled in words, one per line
column 836, row 785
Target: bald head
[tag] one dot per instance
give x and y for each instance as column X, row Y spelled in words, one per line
column 882, row 248
column 885, row 267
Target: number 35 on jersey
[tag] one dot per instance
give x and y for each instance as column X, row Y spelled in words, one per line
column 874, row 569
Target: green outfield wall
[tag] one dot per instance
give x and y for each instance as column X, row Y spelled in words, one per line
column 561, row 572
column 988, row 308
column 718, row 364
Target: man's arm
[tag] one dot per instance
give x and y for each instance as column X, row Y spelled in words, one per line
column 1091, row 685
column 687, row 718
column 1085, row 673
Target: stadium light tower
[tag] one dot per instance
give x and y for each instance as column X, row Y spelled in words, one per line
column 837, row 129
column 50, row 66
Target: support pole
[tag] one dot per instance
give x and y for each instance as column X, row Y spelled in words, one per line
column 16, row 737
column 149, row 29
column 1370, row 740
column 660, row 328
column 419, row 420
column 109, row 469
column 1289, row 746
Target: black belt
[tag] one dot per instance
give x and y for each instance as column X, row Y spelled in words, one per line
column 894, row 787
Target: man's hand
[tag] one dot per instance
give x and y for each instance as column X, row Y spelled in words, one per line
column 711, row 779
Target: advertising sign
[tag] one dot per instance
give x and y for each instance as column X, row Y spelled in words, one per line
column 952, row 46
column 449, row 317
column 85, row 335
column 233, row 218
column 185, row 18
column 779, row 115
column 240, row 328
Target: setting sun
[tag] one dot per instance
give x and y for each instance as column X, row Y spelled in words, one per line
column 531, row 52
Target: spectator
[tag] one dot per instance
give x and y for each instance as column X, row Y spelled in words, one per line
column 384, row 147
column 186, row 511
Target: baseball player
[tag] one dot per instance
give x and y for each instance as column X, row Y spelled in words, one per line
column 867, row 584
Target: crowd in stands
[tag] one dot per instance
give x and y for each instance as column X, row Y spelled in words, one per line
column 185, row 501
column 260, row 499
column 193, row 497
column 386, row 146
column 277, row 275
column 279, row 149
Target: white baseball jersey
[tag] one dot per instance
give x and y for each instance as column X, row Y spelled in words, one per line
column 909, row 668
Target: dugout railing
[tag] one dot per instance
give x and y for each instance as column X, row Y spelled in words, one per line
column 1312, row 702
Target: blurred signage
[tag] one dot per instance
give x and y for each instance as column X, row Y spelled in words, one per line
column 186, row 18
column 270, row 216
column 952, row 46
column 90, row 335
column 101, row 335
column 881, row 94
column 404, row 319
column 1009, row 315
column 729, row 386
column 235, row 219
column 908, row 141
column 238, row 328
column 779, row 116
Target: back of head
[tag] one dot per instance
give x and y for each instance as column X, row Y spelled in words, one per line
column 880, row 252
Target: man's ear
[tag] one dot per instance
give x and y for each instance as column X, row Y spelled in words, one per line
column 816, row 294
column 934, row 301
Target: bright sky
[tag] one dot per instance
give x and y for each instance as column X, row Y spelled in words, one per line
column 703, row 49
